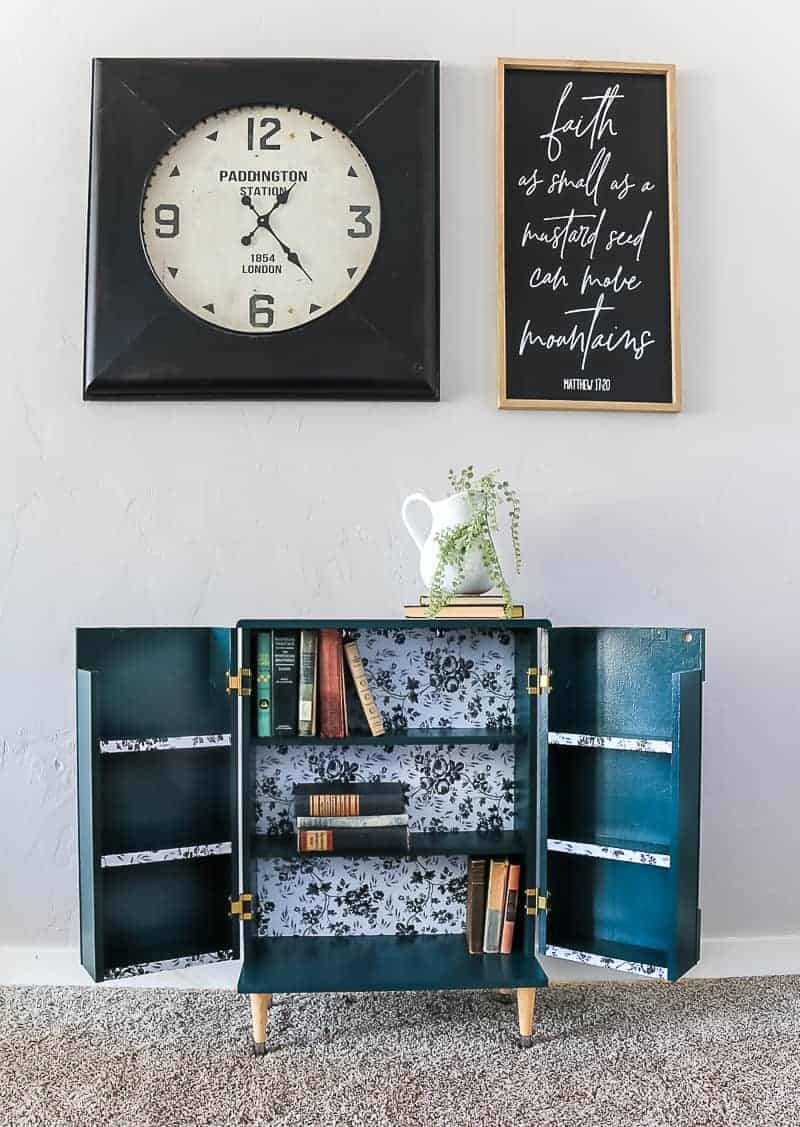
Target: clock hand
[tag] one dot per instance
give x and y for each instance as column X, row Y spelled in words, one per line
column 263, row 220
column 282, row 198
column 290, row 254
column 247, row 201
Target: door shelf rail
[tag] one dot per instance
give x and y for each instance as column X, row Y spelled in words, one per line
column 166, row 743
column 636, row 853
column 612, row 743
column 183, row 962
column 641, row 963
column 151, row 856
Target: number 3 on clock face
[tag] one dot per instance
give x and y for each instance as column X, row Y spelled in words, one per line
column 261, row 219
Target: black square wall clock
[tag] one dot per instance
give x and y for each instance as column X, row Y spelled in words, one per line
column 263, row 228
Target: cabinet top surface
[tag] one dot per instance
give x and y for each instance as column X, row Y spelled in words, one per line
column 394, row 623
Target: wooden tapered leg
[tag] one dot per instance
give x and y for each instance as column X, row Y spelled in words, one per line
column 526, row 1002
column 259, row 1011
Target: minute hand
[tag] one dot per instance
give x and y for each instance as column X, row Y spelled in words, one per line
column 290, row 254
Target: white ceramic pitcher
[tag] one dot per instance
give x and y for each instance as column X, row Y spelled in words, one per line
column 446, row 514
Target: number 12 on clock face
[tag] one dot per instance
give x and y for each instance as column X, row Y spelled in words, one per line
column 261, row 219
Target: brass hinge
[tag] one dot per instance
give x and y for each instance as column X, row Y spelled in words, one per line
column 539, row 681
column 240, row 906
column 536, row 901
column 238, row 683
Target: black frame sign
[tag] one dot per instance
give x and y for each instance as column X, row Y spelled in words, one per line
column 588, row 291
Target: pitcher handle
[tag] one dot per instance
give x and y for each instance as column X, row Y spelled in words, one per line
column 415, row 532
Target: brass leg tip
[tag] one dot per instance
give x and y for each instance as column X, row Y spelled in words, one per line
column 525, row 1042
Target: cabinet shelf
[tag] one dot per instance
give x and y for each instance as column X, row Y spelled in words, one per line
column 380, row 962
column 407, row 736
column 503, row 843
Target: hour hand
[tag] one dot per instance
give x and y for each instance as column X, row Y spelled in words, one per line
column 247, row 201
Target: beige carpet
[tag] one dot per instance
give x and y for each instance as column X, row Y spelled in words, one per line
column 702, row 1052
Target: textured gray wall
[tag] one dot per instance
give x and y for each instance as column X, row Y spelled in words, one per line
column 200, row 513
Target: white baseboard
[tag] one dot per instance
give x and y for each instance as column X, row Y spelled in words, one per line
column 720, row 958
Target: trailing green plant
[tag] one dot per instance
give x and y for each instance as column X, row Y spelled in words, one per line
column 486, row 494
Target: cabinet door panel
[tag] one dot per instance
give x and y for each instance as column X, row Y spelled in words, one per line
column 623, row 768
column 157, row 799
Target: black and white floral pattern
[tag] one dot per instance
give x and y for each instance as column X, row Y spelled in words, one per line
column 361, row 896
column 647, row 970
column 613, row 743
column 148, row 857
column 136, row 969
column 437, row 678
column 421, row 678
column 447, row 786
column 609, row 852
column 167, row 743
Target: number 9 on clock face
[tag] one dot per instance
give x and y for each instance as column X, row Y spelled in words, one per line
column 261, row 219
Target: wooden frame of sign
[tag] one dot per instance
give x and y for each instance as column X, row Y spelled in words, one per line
column 602, row 364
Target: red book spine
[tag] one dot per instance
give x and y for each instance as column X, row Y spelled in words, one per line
column 330, row 704
column 510, row 914
column 315, row 841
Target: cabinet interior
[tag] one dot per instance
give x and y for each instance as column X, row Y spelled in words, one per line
column 448, row 699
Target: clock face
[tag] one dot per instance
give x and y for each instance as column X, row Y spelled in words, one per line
column 260, row 219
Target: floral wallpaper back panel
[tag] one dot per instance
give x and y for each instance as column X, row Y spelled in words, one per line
column 463, row 678
column 441, row 678
column 361, row 895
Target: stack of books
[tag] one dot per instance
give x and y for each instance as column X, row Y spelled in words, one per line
column 465, row 606
column 351, row 818
column 312, row 683
column 492, row 902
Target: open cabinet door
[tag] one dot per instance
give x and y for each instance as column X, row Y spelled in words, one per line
column 621, row 782
column 157, row 798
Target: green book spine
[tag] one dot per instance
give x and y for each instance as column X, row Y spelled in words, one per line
column 307, row 710
column 264, row 683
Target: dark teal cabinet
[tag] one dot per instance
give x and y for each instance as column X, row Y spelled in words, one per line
column 575, row 750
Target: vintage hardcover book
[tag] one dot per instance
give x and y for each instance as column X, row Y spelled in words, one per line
column 495, row 904
column 347, row 800
column 492, row 611
column 358, row 822
column 476, row 903
column 392, row 839
column 285, row 678
column 307, row 706
column 356, row 720
column 510, row 912
column 264, row 683
column 358, row 673
column 330, row 701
